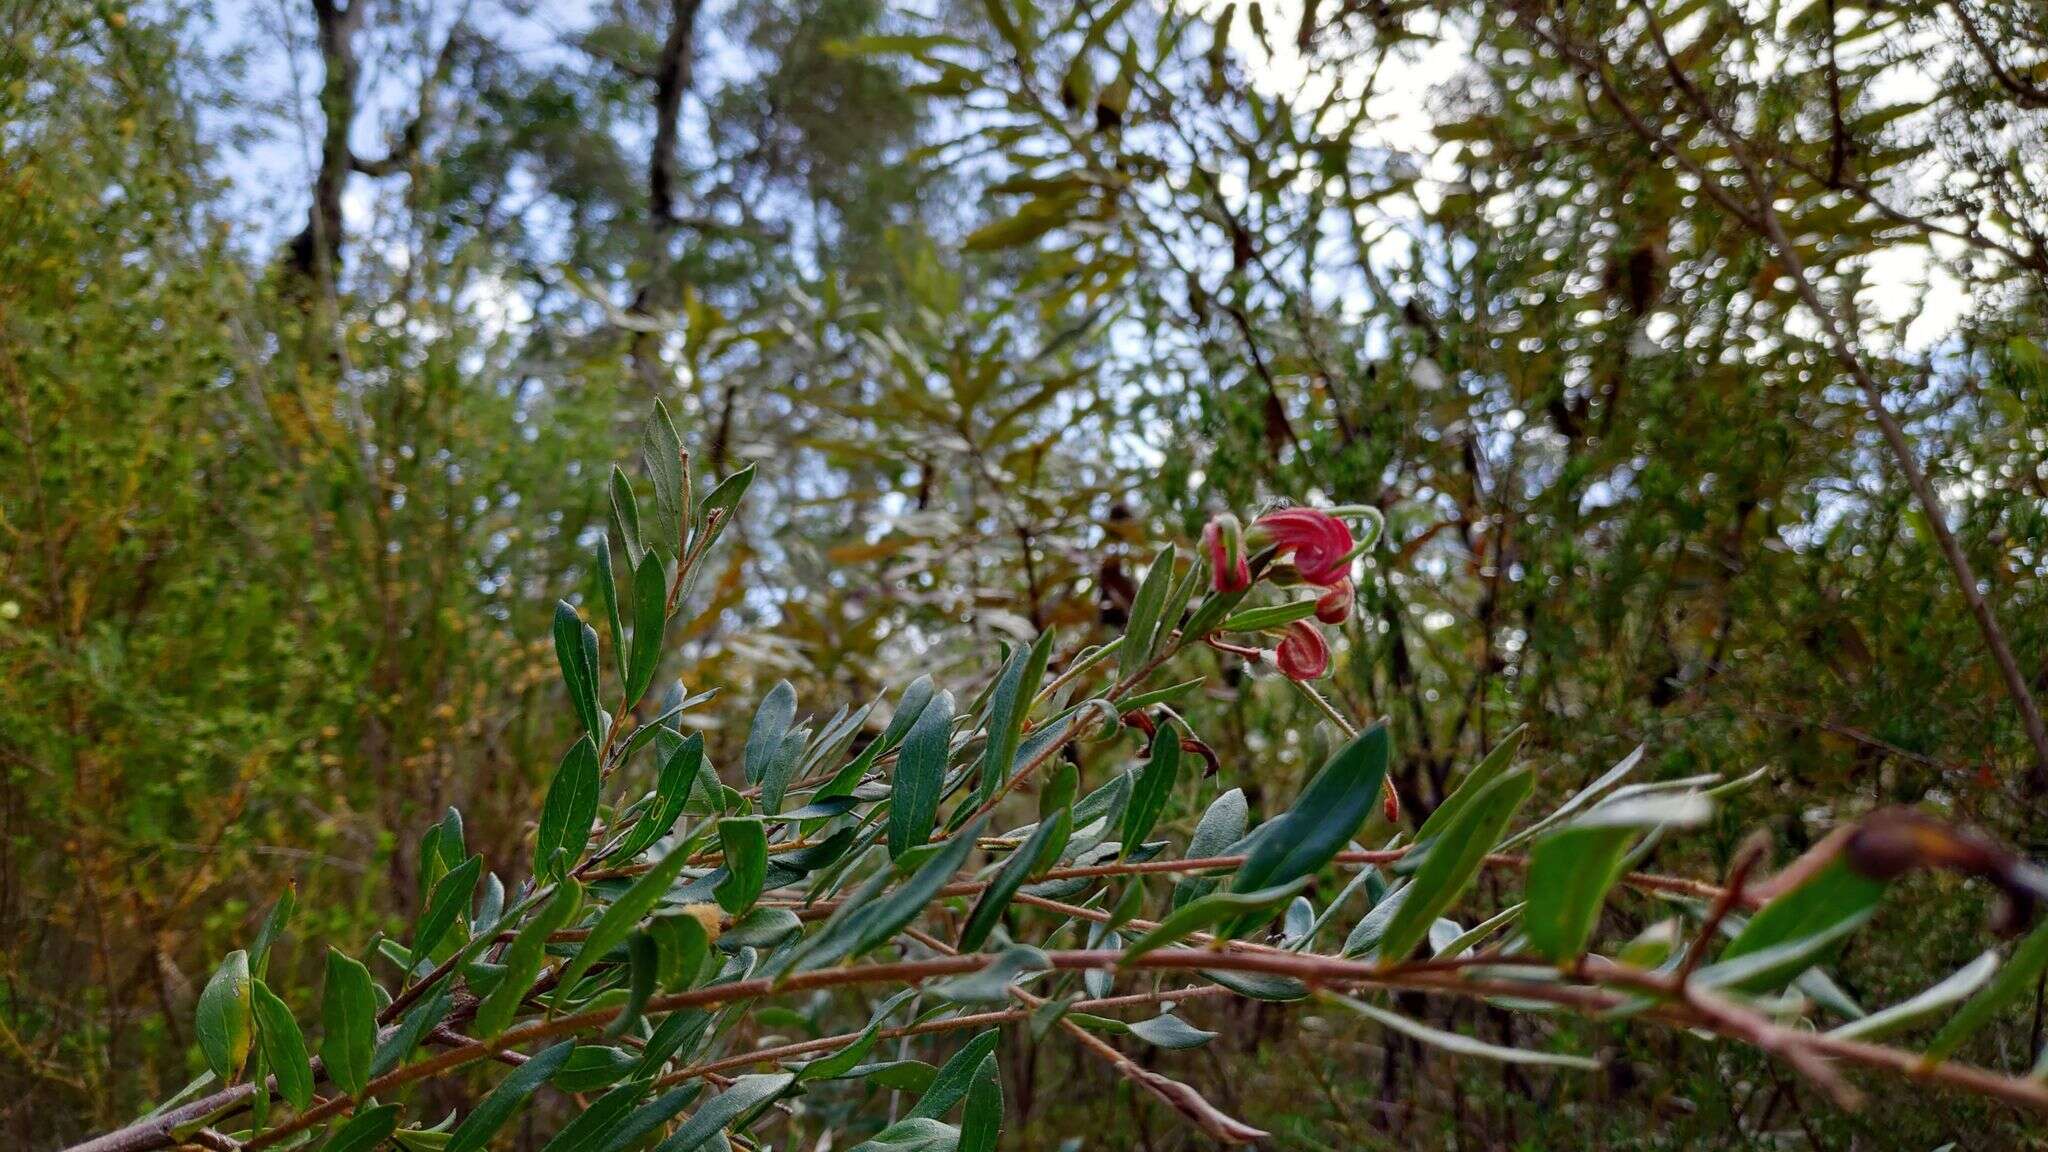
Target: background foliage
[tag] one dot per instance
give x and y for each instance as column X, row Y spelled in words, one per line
column 321, row 328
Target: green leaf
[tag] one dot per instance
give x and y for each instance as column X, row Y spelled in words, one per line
column 1154, row 787
column 1169, row 1030
column 393, row 1049
column 1326, row 815
column 626, row 515
column 1488, row 770
column 620, row 918
column 1457, row 1043
column 1269, row 617
column 634, row 1129
column 863, row 923
column 913, row 1135
column 1572, row 869
column 1569, row 875
column 348, row 1023
column 579, row 672
column 224, row 1017
column 679, row 769
column 593, row 1126
column 846, row 1059
column 725, row 495
column 449, row 902
column 991, row 985
column 284, row 1047
column 1237, row 908
column 920, row 775
column 1831, row 896
column 1008, row 707
column 746, row 1096
column 1146, row 606
column 593, row 1066
column 981, row 1126
column 567, row 813
column 523, row 958
column 678, row 1033
column 684, row 942
column 650, row 618
column 1032, row 855
column 956, row 1077
column 365, row 1130
column 2014, row 980
column 771, row 724
column 745, row 842
column 1455, row 860
column 273, row 928
column 608, row 592
column 661, row 454
column 490, row 1114
column 1923, row 1007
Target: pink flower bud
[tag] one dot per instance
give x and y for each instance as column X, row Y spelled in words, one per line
column 1320, row 542
column 1223, row 540
column 1303, row 654
column 1334, row 606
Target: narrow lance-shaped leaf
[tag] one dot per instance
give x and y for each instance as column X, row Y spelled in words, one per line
column 619, row 919
column 224, row 1017
column 522, row 960
column 1033, row 854
column 679, row 768
column 743, row 1098
column 284, row 1047
column 567, row 813
column 578, row 671
column 1216, row 908
column 650, row 617
column 365, row 1130
column 956, row 1077
column 1326, row 815
column 494, row 1109
column 771, row 724
column 2016, row 979
column 449, row 903
column 1451, row 866
column 920, row 774
column 661, row 454
column 1154, row 787
column 608, row 593
column 745, row 842
column 1146, row 606
column 1008, row 707
column 348, row 1022
column 981, row 1125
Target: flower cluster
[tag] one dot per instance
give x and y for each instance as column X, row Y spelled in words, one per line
column 1307, row 546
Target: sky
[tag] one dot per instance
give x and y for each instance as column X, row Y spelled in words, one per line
column 269, row 132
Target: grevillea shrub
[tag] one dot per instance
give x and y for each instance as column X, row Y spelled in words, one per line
column 952, row 869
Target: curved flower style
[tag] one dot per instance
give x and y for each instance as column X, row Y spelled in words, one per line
column 1334, row 606
column 1223, row 542
column 1303, row 653
column 1320, row 542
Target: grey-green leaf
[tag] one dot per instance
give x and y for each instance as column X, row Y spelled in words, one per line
column 522, row 960
column 224, row 1017
column 348, row 1022
column 745, row 842
column 493, row 1110
column 579, row 672
column 567, row 813
column 1454, row 861
column 920, row 774
column 284, row 1046
column 650, row 619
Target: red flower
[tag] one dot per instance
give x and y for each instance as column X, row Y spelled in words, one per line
column 1321, row 543
column 1303, row 654
column 1223, row 540
column 1334, row 606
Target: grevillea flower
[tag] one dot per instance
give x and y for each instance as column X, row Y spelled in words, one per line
column 1334, row 606
column 1302, row 654
column 1223, row 541
column 1320, row 542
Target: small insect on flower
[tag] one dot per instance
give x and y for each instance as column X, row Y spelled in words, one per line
column 1223, row 542
column 1302, row 654
column 1320, row 542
